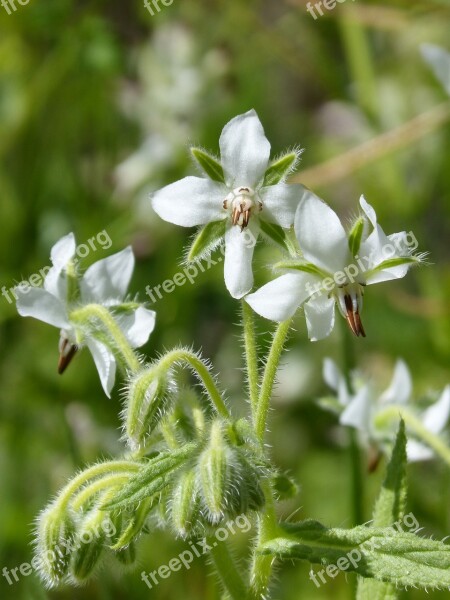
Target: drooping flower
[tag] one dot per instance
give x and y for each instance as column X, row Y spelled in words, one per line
column 104, row 283
column 361, row 409
column 335, row 268
column 238, row 193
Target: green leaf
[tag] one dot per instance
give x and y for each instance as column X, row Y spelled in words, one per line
column 207, row 238
column 383, row 553
column 389, row 509
column 355, row 236
column 280, row 168
column 210, row 165
column 279, row 236
column 152, row 478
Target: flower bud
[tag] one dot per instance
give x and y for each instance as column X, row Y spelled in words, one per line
column 184, row 503
column 127, row 556
column 55, row 535
column 146, row 402
column 89, row 544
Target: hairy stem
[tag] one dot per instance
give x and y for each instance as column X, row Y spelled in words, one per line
column 251, row 353
column 270, row 372
column 202, row 371
column 227, row 569
column 119, row 343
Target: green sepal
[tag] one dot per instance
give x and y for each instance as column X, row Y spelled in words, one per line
column 210, row 165
column 127, row 556
column 278, row 236
column 153, row 477
column 284, row 487
column 302, row 266
column 132, row 524
column 355, row 235
column 206, row 240
column 280, row 168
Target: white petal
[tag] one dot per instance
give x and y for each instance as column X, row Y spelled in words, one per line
column 321, row 235
column 435, row 418
column 191, row 201
column 105, row 363
column 439, row 61
column 62, row 252
column 417, row 451
column 42, row 305
column 358, row 412
column 244, row 150
column 239, row 247
column 335, row 380
column 108, row 278
column 280, row 203
column 319, row 314
column 137, row 326
column 400, row 388
column 387, row 274
column 279, row 299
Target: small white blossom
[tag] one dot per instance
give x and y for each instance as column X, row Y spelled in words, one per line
column 242, row 199
column 335, row 268
column 360, row 410
column 105, row 283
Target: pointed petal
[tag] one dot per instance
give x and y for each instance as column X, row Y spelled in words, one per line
column 335, row 380
column 358, row 412
column 239, row 247
column 109, row 278
column 435, row 418
column 280, row 203
column 320, row 234
column 244, row 150
column 279, row 299
column 61, row 253
column 191, row 201
column 319, row 313
column 42, row 305
column 105, row 363
column 400, row 388
column 417, row 451
column 138, row 325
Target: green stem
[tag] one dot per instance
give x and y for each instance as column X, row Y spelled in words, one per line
column 270, row 372
column 101, row 470
column 84, row 495
column 261, row 571
column 251, row 353
column 395, row 412
column 97, row 312
column 202, row 371
column 227, row 569
column 355, row 450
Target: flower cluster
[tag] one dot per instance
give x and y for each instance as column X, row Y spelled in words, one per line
column 243, row 191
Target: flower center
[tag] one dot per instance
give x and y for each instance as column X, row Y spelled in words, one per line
column 241, row 202
column 67, row 351
column 349, row 299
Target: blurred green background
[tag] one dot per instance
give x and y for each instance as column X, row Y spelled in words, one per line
column 98, row 104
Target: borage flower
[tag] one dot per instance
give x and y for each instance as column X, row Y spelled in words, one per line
column 334, row 269
column 64, row 293
column 363, row 410
column 241, row 196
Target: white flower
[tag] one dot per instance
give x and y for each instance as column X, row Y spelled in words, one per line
column 335, row 268
column 242, row 199
column 360, row 410
column 105, row 283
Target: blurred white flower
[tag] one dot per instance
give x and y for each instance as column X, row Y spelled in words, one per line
column 104, row 283
column 360, row 409
column 439, row 61
column 335, row 268
column 242, row 200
